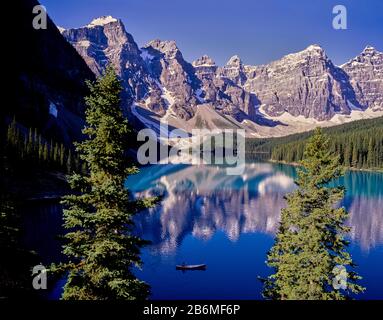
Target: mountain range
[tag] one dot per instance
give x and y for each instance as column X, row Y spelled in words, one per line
column 296, row 93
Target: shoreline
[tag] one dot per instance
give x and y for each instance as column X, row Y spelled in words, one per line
column 296, row 164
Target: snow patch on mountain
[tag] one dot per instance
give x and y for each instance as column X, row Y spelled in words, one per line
column 53, row 110
column 352, row 106
column 84, row 43
column 101, row 21
column 167, row 96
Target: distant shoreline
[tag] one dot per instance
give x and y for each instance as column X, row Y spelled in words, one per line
column 296, row 164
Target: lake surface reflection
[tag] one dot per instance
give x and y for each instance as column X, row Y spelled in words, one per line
column 228, row 222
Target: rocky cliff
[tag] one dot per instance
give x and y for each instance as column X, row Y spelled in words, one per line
column 365, row 74
column 305, row 83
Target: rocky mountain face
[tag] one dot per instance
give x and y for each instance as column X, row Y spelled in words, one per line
column 105, row 41
column 365, row 74
column 47, row 78
column 174, row 76
column 305, row 83
column 233, row 100
column 157, row 75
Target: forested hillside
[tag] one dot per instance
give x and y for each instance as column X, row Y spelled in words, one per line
column 46, row 82
column 359, row 144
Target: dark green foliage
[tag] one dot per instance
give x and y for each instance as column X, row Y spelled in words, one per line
column 100, row 247
column 32, row 150
column 45, row 68
column 359, row 144
column 310, row 241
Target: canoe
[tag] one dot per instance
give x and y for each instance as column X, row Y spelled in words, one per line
column 191, row 267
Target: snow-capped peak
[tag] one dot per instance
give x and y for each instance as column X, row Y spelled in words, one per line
column 369, row 49
column 311, row 50
column 234, row 60
column 61, row 29
column 314, row 48
column 101, row 21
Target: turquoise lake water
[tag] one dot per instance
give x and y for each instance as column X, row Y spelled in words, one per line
column 228, row 222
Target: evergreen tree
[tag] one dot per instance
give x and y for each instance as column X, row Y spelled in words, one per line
column 100, row 246
column 45, row 152
column 40, row 149
column 359, row 144
column 347, row 155
column 69, row 163
column 77, row 163
column 51, row 151
column 370, row 154
column 310, row 242
column 35, row 145
column 62, row 155
column 30, row 143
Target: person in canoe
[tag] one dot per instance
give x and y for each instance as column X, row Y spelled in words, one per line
column 184, row 266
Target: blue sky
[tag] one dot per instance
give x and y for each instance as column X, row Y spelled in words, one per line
column 258, row 31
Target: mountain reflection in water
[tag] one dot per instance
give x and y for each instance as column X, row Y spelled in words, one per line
column 226, row 222
column 201, row 200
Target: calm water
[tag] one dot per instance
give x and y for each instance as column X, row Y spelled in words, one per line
column 227, row 222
